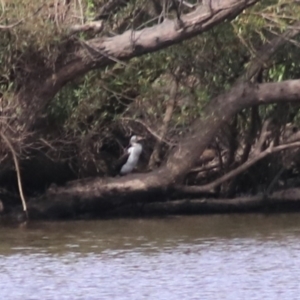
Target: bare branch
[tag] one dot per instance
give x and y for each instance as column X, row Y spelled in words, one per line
column 209, row 187
column 155, row 156
column 96, row 27
column 150, row 130
column 7, row 27
column 263, row 136
column 11, row 148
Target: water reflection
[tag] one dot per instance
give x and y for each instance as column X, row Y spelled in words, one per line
column 204, row 257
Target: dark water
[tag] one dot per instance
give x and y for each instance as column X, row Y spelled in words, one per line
column 204, row 257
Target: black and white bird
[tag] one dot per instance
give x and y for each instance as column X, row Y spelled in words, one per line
column 130, row 159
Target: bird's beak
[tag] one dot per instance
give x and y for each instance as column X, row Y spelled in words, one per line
column 140, row 138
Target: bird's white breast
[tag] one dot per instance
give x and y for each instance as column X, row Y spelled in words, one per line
column 134, row 155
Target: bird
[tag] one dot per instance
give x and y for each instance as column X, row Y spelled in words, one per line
column 130, row 159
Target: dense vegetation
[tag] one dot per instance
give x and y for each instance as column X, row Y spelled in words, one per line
column 72, row 92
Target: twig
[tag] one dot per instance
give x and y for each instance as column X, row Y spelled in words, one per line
column 151, row 131
column 56, row 14
column 8, row 143
column 3, row 9
column 262, row 138
column 273, row 182
column 47, row 144
column 5, row 27
column 155, row 156
column 11, row 25
column 81, row 11
column 96, row 26
column 205, row 168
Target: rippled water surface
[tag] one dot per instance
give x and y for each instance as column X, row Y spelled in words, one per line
column 203, row 257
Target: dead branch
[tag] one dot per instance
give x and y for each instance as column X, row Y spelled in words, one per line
column 205, row 168
column 262, row 138
column 96, row 27
column 8, row 143
column 7, row 27
column 150, row 130
column 251, row 134
column 155, row 156
column 210, row 186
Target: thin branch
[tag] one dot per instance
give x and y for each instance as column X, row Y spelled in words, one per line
column 6, row 27
column 205, row 168
column 8, row 143
column 3, row 9
column 81, row 11
column 262, row 138
column 151, row 131
column 11, row 25
column 155, row 156
column 56, row 14
column 96, row 26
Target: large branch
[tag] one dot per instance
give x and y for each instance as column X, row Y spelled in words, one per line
column 100, row 52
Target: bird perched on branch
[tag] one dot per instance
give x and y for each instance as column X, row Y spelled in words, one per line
column 130, row 159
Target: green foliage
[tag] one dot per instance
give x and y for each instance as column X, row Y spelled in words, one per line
column 213, row 61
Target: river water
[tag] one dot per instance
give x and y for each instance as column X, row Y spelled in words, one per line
column 200, row 257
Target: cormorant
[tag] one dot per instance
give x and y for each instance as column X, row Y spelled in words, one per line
column 130, row 159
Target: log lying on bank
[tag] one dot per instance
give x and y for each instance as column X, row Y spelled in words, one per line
column 286, row 200
column 67, row 207
column 98, row 196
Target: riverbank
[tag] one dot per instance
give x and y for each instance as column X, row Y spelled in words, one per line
column 67, row 207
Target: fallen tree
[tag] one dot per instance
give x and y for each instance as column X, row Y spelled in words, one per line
column 103, row 195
